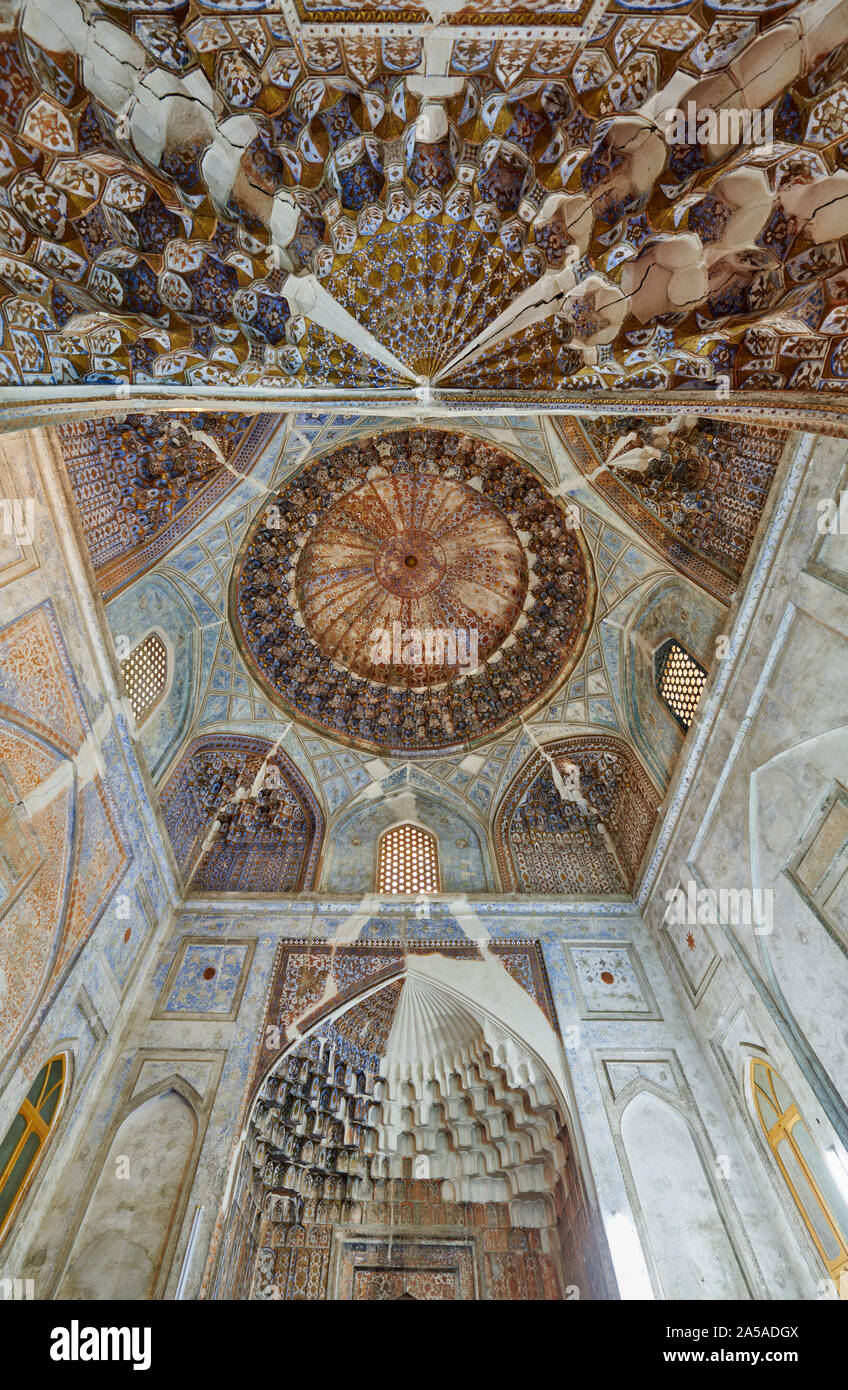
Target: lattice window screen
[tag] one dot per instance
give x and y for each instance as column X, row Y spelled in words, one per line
column 680, row 681
column 408, row 861
column 146, row 675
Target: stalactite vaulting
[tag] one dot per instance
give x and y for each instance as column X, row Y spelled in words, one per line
column 204, row 197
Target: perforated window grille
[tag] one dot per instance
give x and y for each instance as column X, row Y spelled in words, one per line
column 146, row 675
column 680, row 681
column 407, row 861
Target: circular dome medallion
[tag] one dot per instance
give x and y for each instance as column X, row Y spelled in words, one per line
column 410, row 564
column 362, row 588
column 411, row 580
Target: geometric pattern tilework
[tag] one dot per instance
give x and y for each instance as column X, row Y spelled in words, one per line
column 267, row 842
column 436, row 926
column 206, row 980
column 576, row 819
column 67, row 858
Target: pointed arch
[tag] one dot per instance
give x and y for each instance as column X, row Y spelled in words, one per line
column 269, row 835
column 669, row 608
column 408, row 860
column 350, row 862
column 811, row 1183
column 24, row 1144
column 363, row 1121
column 576, row 818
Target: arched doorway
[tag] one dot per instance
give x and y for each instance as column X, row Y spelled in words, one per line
column 412, row 1146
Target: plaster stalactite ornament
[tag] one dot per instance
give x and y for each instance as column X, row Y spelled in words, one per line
column 240, row 817
column 141, row 481
column 576, row 819
column 169, row 180
column 696, row 489
column 412, row 534
column 364, row 1122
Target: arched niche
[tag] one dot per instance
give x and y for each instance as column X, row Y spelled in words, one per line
column 132, row 1213
column 411, row 1108
column 23, row 1148
column 154, row 604
column 682, row 1223
column 350, row 864
column 268, row 841
column 576, row 818
column 794, row 804
column 671, row 608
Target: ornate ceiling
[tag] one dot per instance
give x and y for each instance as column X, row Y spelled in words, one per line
column 220, row 195
column 696, row 490
column 143, row 481
column 575, row 550
column 263, row 840
column 428, row 209
column 412, row 529
column 416, row 551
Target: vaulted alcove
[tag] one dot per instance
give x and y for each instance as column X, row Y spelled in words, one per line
column 413, row 1145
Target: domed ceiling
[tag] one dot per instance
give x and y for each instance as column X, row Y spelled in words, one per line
column 412, row 591
column 416, row 551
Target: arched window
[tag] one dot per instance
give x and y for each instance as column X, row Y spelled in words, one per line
column 407, row 861
column 145, row 673
column 25, row 1138
column 812, row 1184
column 680, row 681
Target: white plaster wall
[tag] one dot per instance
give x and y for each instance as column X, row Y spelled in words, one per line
column 118, row 1249
column 688, row 1242
column 769, row 739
